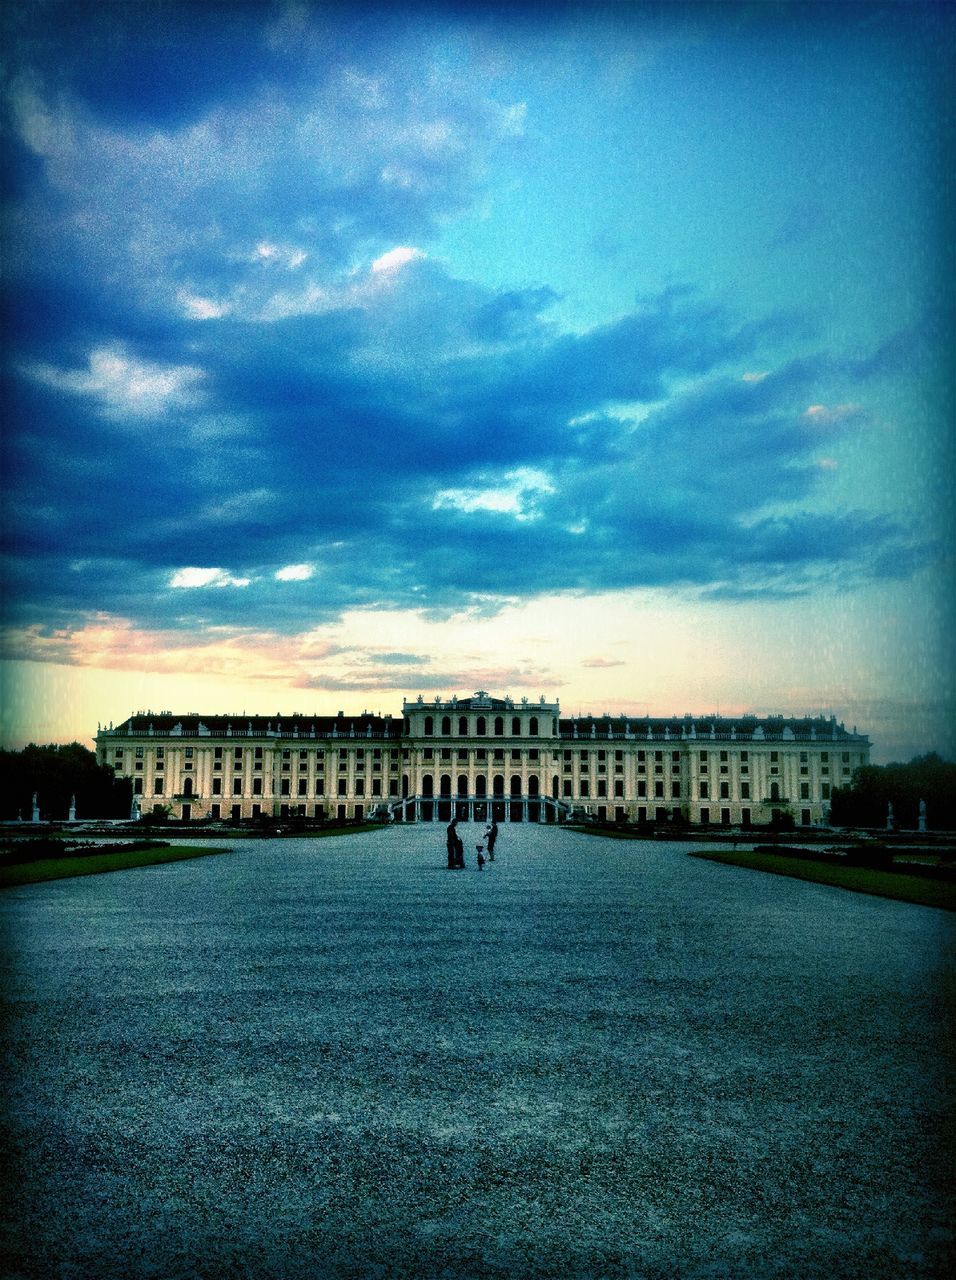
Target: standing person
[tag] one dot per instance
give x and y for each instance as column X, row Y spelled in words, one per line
column 452, row 841
column 459, row 851
column 481, row 858
column 492, row 835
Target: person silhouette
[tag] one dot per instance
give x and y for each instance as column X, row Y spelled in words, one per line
column 491, row 835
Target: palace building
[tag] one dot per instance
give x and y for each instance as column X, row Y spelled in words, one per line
column 482, row 757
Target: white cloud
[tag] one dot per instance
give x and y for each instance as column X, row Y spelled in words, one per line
column 125, row 384
column 193, row 577
column 294, row 573
column 198, row 308
column 396, row 258
column 515, row 496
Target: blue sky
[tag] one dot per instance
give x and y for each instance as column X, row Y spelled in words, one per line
column 356, row 352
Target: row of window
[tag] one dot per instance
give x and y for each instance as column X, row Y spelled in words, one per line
column 481, row 727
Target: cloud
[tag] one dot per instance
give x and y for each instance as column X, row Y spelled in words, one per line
column 294, row 573
column 191, row 579
column 226, row 344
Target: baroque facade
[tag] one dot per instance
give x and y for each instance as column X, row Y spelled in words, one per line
column 482, row 757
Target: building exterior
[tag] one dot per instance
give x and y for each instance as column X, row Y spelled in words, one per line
column 484, row 757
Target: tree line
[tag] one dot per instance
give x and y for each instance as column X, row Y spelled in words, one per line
column 55, row 773
column 874, row 787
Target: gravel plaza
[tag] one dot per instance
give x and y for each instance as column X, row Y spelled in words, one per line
column 336, row 1058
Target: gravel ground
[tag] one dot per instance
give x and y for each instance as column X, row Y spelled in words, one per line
column 593, row 1059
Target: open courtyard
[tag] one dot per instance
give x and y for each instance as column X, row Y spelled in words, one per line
column 336, row 1058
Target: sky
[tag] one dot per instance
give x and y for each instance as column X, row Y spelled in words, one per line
column 354, row 352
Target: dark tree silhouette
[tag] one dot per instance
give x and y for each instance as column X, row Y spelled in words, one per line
column 55, row 773
column 930, row 778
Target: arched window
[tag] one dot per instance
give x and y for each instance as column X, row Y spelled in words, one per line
column 463, row 784
column 774, row 790
column 533, row 726
column 429, row 725
column 446, row 784
column 481, row 728
column 554, row 786
column 516, row 784
column 533, row 784
column 428, row 785
column 188, row 787
column 499, row 726
column 515, row 727
column 498, row 784
column 463, row 726
column 481, row 785
column 446, row 725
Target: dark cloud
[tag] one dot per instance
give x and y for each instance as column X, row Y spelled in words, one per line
column 206, row 371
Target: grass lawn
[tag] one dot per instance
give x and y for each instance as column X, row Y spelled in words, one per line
column 95, row 863
column 884, row 884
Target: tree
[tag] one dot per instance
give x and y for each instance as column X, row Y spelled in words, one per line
column 55, row 774
column 874, row 787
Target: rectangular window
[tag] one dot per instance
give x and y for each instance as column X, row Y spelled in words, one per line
column 804, row 791
column 825, row 756
column 745, row 791
column 585, row 788
column 343, row 787
column 157, row 786
column 139, row 753
column 303, row 787
column 257, row 753
column 745, row 755
column 723, row 757
column 725, row 791
column 641, row 787
column 703, row 757
column 285, row 787
column 825, row 790
column 803, row 757
column 566, row 787
column 189, row 753
column 675, row 790
column 659, row 790
column 237, row 786
column 705, row 791
column 217, row 786
column 602, row 789
column 320, row 786
column 160, row 752
column 376, row 786
column 774, row 756
column 619, row 790
column 360, row 786
column 705, row 816
column 257, row 786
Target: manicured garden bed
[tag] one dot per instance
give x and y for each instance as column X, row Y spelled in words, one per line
column 95, row 862
column 899, row 885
